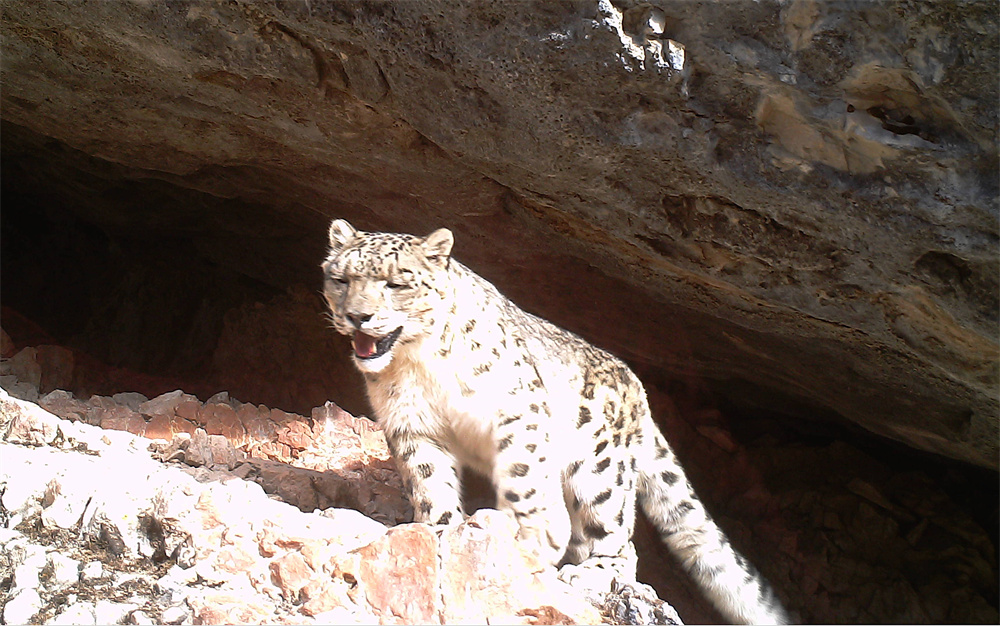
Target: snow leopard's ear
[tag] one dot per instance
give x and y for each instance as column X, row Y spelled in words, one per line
column 341, row 234
column 437, row 247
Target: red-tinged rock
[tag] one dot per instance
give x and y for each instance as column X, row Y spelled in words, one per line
column 397, row 575
column 254, row 451
column 221, row 419
column 158, row 427
column 136, row 425
column 234, row 559
column 544, row 615
column 114, row 422
column 63, row 404
column 98, row 407
column 266, row 541
column 210, row 514
column 293, row 485
column 296, row 435
column 280, row 418
column 329, row 412
column 221, row 453
column 188, row 409
column 229, row 608
column 277, row 451
column 180, row 425
column 257, row 428
column 271, row 541
column 290, row 543
column 321, row 595
column 117, row 417
column 290, row 573
column 317, row 553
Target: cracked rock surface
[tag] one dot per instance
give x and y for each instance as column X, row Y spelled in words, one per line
column 97, row 531
column 795, row 200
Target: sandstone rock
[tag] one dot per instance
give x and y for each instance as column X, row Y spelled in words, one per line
column 257, row 423
column 222, row 397
column 297, row 435
column 321, row 596
column 397, row 575
column 188, row 409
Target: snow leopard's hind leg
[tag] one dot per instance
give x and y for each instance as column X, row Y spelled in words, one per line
column 600, row 486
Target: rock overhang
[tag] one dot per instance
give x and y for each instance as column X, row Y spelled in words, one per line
column 787, row 208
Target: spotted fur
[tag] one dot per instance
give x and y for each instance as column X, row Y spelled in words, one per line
column 460, row 376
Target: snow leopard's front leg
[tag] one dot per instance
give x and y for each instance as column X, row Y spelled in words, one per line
column 528, row 480
column 430, row 475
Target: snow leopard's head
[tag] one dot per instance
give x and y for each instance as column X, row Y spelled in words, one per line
column 383, row 289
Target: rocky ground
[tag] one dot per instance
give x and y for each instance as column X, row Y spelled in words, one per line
column 128, row 509
column 246, row 525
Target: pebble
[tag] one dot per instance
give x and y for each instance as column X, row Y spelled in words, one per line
column 140, row 618
column 77, row 613
column 65, row 570
column 108, row 612
column 91, row 571
column 30, row 565
column 174, row 615
column 20, row 608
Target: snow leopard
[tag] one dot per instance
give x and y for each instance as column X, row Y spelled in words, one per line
column 459, row 376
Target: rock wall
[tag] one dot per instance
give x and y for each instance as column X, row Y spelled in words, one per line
column 796, row 201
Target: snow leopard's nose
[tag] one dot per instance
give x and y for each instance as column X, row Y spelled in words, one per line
column 358, row 319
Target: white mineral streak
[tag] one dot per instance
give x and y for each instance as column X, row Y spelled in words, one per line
column 664, row 54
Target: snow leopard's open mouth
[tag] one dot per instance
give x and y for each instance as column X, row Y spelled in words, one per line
column 368, row 347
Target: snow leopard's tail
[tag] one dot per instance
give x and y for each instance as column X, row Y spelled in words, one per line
column 732, row 583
